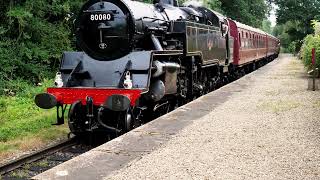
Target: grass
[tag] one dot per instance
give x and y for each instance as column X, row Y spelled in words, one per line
column 278, row 106
column 295, row 67
column 24, row 126
column 19, row 174
column 272, row 93
column 316, row 104
column 43, row 163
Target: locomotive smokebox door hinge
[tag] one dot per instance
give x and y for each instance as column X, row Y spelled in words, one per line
column 60, row 114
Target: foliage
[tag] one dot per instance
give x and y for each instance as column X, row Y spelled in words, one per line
column 297, row 10
column 266, row 26
column 213, row 4
column 295, row 18
column 294, row 47
column 18, row 115
column 33, row 35
column 311, row 41
column 251, row 12
column 316, row 26
column 290, row 35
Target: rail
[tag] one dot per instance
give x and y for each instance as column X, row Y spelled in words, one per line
column 15, row 164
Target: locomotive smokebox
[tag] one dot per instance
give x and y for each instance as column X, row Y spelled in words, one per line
column 105, row 29
column 46, row 101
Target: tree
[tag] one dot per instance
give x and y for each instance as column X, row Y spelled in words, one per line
column 300, row 10
column 33, row 34
column 295, row 16
column 250, row 12
column 266, row 26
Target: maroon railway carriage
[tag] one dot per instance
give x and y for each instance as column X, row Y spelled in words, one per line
column 273, row 45
column 251, row 44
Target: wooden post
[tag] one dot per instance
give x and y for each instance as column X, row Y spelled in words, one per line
column 314, row 68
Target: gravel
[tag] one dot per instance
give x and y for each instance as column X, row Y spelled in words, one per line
column 267, row 131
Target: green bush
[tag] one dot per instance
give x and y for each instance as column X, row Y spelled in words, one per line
column 33, row 35
column 311, row 41
column 294, row 47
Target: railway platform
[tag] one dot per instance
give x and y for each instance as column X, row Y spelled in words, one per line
column 263, row 126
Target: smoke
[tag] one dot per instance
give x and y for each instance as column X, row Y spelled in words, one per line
column 195, row 3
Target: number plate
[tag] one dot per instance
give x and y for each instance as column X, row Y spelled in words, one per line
column 101, row 17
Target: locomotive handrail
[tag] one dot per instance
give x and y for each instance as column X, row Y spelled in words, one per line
column 155, row 19
column 104, row 11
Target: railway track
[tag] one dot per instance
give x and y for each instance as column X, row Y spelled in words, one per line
column 37, row 162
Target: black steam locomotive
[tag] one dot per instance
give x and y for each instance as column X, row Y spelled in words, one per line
column 139, row 61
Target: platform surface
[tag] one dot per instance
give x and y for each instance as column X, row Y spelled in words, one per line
column 264, row 126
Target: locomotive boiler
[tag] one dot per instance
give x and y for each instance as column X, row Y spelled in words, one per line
column 139, row 61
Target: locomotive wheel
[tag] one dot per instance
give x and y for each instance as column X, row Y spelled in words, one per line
column 74, row 118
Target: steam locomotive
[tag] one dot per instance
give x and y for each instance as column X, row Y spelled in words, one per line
column 140, row 61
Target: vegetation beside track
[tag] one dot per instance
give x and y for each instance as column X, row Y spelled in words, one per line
column 311, row 41
column 23, row 126
column 294, row 19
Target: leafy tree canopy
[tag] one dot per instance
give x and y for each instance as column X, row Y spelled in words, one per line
column 294, row 19
column 33, row 35
column 266, row 26
column 297, row 10
column 251, row 12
